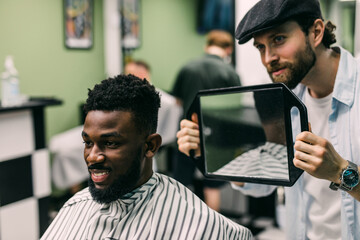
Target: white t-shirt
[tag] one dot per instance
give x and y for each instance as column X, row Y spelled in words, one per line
column 323, row 205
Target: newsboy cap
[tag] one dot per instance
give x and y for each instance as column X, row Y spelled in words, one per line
column 267, row 14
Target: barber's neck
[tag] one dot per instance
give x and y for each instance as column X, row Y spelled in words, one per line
column 321, row 78
column 215, row 50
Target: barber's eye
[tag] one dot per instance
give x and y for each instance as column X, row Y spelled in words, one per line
column 279, row 39
column 260, row 47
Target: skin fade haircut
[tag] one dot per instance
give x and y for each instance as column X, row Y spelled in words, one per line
column 124, row 93
column 127, row 93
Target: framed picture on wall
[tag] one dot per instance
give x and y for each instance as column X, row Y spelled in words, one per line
column 78, row 23
column 130, row 27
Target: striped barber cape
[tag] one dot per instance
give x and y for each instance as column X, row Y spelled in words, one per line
column 162, row 208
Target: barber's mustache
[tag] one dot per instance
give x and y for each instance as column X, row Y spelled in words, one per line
column 277, row 66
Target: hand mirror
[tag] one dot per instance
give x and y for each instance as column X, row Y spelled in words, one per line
column 246, row 133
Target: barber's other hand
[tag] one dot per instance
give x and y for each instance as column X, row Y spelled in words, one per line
column 239, row 184
column 188, row 136
column 317, row 156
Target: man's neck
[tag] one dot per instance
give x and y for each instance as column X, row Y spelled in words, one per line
column 321, row 78
column 146, row 173
column 215, row 50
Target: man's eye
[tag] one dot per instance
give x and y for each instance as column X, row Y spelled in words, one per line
column 111, row 144
column 87, row 143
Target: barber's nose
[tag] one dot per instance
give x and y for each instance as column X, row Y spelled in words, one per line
column 270, row 56
column 95, row 155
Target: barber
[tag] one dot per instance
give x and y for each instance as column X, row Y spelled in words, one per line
column 294, row 45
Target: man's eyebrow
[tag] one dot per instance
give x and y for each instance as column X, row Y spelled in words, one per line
column 104, row 135
column 110, row 134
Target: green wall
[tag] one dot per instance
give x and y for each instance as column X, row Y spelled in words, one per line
column 169, row 38
column 32, row 31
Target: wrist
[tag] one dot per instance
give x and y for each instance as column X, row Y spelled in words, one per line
column 349, row 178
column 341, row 168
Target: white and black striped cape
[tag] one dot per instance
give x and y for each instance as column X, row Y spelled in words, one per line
column 267, row 161
column 162, row 208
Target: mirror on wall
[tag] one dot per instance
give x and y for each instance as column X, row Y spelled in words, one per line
column 248, row 142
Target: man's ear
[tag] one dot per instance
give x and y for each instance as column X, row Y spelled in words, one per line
column 153, row 143
column 318, row 31
column 229, row 51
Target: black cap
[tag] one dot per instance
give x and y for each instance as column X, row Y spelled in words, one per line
column 267, row 14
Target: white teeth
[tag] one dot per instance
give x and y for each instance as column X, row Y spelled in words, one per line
column 100, row 173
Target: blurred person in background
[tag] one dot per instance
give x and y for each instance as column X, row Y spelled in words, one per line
column 212, row 70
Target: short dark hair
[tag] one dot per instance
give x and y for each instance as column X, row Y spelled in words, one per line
column 127, row 93
column 306, row 22
column 143, row 64
column 219, row 38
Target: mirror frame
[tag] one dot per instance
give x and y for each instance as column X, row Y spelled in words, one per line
column 290, row 100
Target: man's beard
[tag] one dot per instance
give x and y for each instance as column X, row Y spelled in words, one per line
column 304, row 61
column 122, row 185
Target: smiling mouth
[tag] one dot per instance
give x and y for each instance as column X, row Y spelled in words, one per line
column 99, row 175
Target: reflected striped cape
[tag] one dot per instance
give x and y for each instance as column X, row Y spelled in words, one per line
column 267, row 161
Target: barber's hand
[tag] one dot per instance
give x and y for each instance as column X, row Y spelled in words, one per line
column 188, row 136
column 239, row 184
column 317, row 156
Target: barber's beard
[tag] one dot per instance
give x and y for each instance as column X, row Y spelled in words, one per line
column 124, row 184
column 304, row 61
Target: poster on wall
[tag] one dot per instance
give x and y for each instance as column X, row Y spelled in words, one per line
column 130, row 19
column 78, row 17
column 215, row 14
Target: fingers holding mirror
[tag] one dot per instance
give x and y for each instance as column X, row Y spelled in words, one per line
column 188, row 136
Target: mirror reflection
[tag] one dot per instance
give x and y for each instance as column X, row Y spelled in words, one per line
column 242, row 139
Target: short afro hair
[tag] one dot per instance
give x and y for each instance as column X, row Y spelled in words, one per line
column 127, row 93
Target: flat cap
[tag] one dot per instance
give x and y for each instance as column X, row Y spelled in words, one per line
column 267, row 14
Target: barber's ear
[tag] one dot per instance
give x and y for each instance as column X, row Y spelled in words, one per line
column 153, row 143
column 318, row 30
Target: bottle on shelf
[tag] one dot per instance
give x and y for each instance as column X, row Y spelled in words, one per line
column 10, row 93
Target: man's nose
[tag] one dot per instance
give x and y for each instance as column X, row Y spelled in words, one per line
column 96, row 155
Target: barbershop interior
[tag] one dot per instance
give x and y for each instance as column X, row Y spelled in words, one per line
column 56, row 51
